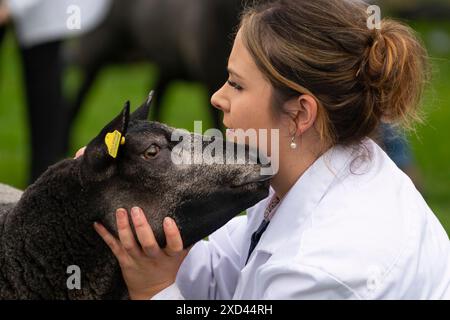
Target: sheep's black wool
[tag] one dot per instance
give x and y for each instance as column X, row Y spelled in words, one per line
column 37, row 246
column 51, row 227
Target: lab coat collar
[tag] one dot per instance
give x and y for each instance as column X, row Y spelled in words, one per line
column 305, row 195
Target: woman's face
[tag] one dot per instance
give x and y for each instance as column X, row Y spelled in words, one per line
column 245, row 99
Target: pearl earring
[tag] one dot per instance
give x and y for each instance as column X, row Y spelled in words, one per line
column 293, row 143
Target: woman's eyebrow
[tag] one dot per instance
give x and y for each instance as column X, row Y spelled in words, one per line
column 232, row 72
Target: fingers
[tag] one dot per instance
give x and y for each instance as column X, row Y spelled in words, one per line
column 173, row 238
column 80, row 152
column 109, row 239
column 144, row 233
column 126, row 235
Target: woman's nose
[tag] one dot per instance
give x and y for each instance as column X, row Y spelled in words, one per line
column 219, row 101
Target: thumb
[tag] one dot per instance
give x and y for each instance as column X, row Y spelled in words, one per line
column 80, row 152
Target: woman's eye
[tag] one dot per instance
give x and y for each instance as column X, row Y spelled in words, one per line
column 151, row 152
column 234, row 85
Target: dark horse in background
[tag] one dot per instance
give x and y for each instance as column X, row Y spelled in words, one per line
column 187, row 40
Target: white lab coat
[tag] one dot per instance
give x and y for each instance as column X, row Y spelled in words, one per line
column 40, row 21
column 348, row 229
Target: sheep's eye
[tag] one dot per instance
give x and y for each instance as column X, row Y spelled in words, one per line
column 151, row 152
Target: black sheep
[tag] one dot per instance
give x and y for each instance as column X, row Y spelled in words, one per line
column 51, row 227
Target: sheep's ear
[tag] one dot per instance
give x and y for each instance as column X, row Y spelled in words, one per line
column 102, row 151
column 143, row 111
column 119, row 123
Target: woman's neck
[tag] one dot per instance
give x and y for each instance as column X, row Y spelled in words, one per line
column 292, row 165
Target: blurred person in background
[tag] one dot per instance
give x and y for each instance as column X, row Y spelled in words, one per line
column 398, row 148
column 41, row 26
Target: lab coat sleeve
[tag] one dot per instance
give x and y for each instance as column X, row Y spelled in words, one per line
column 211, row 269
column 301, row 282
column 170, row 293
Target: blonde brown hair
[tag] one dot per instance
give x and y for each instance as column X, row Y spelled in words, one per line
column 324, row 48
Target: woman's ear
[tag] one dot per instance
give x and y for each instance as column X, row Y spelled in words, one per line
column 303, row 112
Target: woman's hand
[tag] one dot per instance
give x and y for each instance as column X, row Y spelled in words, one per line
column 147, row 269
column 80, row 152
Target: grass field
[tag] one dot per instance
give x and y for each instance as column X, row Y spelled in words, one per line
column 188, row 102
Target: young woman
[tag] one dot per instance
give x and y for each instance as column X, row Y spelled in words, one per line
column 342, row 221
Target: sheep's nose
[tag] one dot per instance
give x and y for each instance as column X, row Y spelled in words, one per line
column 250, row 176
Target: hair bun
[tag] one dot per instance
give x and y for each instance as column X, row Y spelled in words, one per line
column 393, row 71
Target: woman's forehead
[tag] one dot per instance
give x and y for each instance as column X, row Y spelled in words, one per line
column 241, row 62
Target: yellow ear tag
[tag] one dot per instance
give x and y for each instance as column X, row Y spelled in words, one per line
column 113, row 140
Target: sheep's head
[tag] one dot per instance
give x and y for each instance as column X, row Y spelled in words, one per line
column 164, row 171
